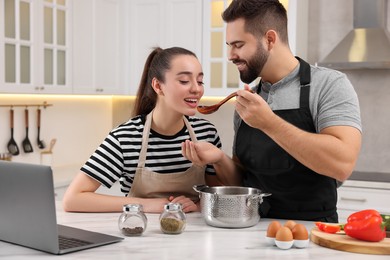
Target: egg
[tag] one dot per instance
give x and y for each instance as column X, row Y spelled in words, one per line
column 301, row 236
column 273, row 227
column 299, row 232
column 290, row 224
column 284, row 234
column 284, row 238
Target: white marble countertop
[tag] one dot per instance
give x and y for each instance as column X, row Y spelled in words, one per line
column 198, row 241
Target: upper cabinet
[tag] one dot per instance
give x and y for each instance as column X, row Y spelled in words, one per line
column 35, row 46
column 163, row 23
column 98, row 47
column 192, row 24
column 221, row 75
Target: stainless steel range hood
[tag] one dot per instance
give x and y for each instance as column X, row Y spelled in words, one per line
column 367, row 46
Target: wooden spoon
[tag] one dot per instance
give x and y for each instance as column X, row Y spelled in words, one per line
column 211, row 109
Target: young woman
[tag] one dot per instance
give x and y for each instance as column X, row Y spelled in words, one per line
column 144, row 154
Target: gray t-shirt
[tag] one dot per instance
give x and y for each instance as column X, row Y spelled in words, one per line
column 333, row 100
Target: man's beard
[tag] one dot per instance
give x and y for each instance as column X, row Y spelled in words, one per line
column 254, row 66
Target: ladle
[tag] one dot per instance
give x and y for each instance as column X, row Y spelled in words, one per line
column 211, row 109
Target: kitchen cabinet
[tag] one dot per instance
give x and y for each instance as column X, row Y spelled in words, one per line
column 221, row 75
column 98, row 47
column 163, row 23
column 35, row 46
column 352, row 199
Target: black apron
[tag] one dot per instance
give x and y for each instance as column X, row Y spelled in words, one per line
column 297, row 191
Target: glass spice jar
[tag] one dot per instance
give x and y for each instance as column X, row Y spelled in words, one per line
column 133, row 221
column 172, row 219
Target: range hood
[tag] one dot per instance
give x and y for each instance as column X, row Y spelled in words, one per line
column 367, row 46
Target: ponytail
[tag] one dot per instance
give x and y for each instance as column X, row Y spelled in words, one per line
column 146, row 97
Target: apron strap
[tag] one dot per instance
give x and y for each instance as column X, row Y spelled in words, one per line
column 305, row 78
column 145, row 137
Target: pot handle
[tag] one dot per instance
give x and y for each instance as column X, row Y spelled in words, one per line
column 256, row 196
column 199, row 188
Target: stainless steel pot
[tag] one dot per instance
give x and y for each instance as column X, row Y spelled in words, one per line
column 230, row 206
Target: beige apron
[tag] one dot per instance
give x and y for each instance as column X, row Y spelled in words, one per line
column 149, row 184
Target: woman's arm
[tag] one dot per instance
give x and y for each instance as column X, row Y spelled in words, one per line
column 81, row 196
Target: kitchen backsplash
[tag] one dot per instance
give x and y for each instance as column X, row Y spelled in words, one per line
column 78, row 123
column 329, row 22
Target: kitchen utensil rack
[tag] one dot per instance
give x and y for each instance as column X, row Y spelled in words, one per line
column 44, row 105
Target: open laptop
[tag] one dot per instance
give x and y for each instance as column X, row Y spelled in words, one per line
column 28, row 213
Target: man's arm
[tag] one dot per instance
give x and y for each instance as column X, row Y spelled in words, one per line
column 332, row 152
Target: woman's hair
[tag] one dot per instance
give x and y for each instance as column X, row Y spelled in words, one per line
column 260, row 16
column 156, row 65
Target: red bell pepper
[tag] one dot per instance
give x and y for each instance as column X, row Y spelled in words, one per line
column 328, row 228
column 365, row 225
column 363, row 214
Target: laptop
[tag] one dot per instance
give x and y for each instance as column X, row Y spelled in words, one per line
column 28, row 213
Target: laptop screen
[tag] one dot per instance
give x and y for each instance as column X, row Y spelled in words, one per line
column 28, row 212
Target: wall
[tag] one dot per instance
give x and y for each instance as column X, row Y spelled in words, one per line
column 329, row 22
column 79, row 123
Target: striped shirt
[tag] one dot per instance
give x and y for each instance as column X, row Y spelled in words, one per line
column 117, row 156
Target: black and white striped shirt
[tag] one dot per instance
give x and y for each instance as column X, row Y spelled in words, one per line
column 117, row 157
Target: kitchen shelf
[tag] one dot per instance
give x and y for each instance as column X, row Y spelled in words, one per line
column 44, row 105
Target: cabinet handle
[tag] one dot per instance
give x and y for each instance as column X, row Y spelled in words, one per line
column 353, row 199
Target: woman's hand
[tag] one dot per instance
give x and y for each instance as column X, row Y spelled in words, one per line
column 201, row 153
column 187, row 204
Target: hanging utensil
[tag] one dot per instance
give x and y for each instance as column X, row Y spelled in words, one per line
column 12, row 146
column 41, row 143
column 211, row 109
column 27, row 147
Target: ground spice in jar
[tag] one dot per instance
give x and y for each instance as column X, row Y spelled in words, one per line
column 171, row 225
column 132, row 231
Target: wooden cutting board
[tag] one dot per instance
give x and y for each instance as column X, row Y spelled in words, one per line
column 343, row 242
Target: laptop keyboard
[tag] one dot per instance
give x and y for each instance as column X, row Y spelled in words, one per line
column 68, row 242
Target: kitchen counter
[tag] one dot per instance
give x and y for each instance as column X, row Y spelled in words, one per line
column 370, row 176
column 198, row 241
column 373, row 180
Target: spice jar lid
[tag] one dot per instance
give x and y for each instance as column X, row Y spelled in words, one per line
column 173, row 206
column 132, row 207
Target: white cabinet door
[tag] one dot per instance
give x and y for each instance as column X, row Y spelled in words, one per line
column 163, row 23
column 352, row 199
column 184, row 25
column 35, row 40
column 98, row 30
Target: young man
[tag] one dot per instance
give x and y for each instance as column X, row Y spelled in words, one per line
column 298, row 134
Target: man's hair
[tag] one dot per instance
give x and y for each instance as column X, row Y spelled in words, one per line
column 260, row 16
